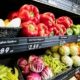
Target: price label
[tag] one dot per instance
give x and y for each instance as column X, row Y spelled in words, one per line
column 78, row 38
column 35, row 39
column 9, row 41
column 33, row 46
column 62, row 42
column 63, row 37
column 5, row 50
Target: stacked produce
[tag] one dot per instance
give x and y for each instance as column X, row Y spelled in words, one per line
column 7, row 73
column 33, row 23
column 34, row 68
column 55, row 64
column 69, row 54
column 56, row 60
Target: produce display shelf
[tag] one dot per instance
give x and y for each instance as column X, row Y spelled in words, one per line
column 14, row 45
column 66, row 7
column 20, row 44
column 12, row 48
column 57, row 77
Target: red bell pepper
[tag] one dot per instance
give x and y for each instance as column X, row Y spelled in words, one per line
column 64, row 29
column 12, row 15
column 29, row 12
column 50, row 15
column 29, row 29
column 42, row 30
column 56, row 31
column 47, row 20
column 61, row 28
column 66, row 21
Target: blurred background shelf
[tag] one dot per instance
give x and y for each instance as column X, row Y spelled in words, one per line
column 71, row 6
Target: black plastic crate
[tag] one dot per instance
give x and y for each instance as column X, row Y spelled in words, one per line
column 9, row 32
column 71, row 73
column 58, row 77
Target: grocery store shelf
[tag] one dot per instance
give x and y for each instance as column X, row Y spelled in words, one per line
column 66, row 39
column 68, row 6
column 14, row 45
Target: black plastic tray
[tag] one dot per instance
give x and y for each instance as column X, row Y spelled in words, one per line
column 57, row 77
column 9, row 32
column 71, row 73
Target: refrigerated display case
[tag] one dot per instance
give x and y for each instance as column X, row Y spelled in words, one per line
column 12, row 48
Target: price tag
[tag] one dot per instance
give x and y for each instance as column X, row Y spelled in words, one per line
column 78, row 38
column 63, row 37
column 5, row 50
column 2, row 50
column 36, row 39
column 33, row 46
column 62, row 42
column 8, row 41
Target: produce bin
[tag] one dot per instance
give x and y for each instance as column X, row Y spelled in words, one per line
column 7, row 62
column 9, row 32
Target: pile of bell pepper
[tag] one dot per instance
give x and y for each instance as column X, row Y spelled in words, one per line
column 33, row 23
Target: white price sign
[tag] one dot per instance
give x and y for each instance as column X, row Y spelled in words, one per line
column 5, row 50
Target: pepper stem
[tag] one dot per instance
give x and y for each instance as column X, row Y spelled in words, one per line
column 31, row 28
column 31, row 14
